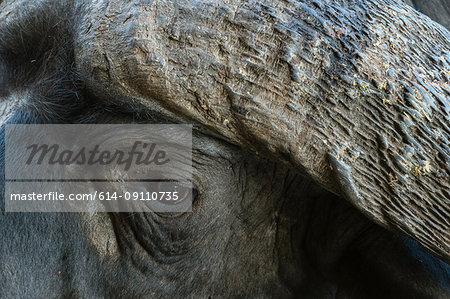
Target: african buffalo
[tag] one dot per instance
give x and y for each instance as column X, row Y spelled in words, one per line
column 320, row 147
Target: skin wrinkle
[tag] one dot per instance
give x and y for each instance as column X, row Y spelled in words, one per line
column 307, row 67
column 259, row 227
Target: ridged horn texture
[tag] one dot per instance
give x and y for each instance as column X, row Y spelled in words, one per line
column 355, row 94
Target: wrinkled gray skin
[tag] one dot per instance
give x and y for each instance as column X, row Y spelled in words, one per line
column 258, row 228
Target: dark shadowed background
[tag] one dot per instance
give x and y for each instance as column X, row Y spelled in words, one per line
column 438, row 10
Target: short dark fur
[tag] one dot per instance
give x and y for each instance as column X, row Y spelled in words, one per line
column 37, row 56
column 258, row 229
